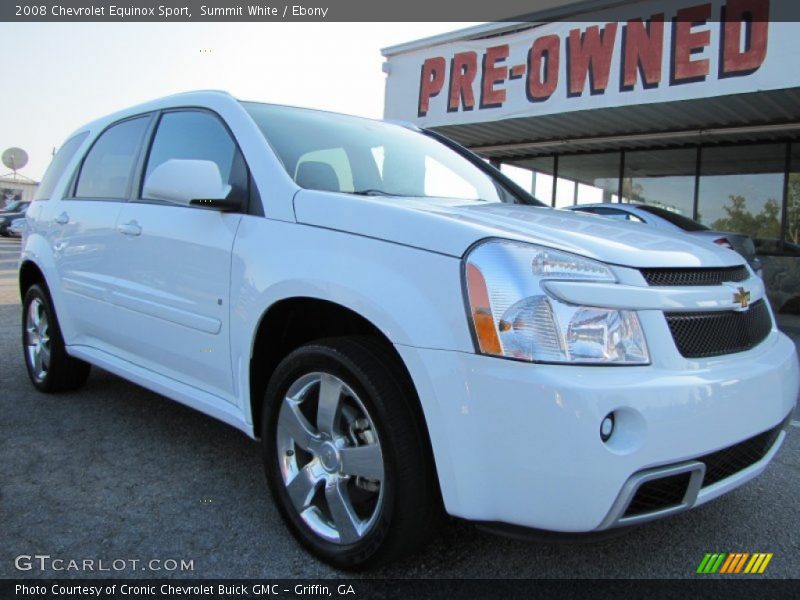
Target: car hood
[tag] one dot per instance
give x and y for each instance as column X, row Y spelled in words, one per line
column 449, row 226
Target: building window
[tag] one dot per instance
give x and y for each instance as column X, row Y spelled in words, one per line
column 588, row 178
column 524, row 178
column 741, row 189
column 792, row 241
column 534, row 175
column 661, row 178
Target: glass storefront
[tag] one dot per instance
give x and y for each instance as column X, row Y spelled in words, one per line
column 662, row 178
column 534, row 175
column 590, row 178
column 584, row 179
column 792, row 233
column 737, row 188
column 741, row 190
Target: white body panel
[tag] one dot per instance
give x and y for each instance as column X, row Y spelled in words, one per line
column 171, row 282
column 518, row 443
column 451, row 226
column 83, row 235
column 175, row 305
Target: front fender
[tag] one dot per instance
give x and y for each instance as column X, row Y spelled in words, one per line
column 413, row 296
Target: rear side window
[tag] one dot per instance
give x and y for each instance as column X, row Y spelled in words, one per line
column 108, row 167
column 198, row 135
column 57, row 166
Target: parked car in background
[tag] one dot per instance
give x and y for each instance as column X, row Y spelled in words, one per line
column 665, row 219
column 6, row 218
column 11, row 206
column 405, row 329
column 17, row 227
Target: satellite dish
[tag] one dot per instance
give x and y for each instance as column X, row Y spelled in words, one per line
column 15, row 158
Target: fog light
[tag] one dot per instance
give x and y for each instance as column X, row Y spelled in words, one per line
column 607, row 427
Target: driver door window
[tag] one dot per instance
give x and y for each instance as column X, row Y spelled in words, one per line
column 198, row 135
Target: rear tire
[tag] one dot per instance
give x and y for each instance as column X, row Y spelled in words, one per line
column 49, row 366
column 353, row 480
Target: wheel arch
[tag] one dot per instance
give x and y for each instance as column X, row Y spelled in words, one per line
column 329, row 320
column 29, row 274
column 291, row 322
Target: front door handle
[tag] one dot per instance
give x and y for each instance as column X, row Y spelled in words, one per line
column 62, row 219
column 129, row 228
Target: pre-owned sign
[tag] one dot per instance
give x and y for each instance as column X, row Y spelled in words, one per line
column 664, row 52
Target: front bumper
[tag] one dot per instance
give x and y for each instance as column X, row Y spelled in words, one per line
column 520, row 443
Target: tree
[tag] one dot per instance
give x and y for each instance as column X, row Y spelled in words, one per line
column 793, row 209
column 632, row 192
column 766, row 224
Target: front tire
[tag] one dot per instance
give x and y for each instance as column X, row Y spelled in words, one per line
column 49, row 366
column 345, row 454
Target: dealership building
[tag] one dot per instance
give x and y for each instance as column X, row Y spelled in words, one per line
column 692, row 106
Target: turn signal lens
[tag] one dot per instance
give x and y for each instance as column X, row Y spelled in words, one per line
column 482, row 317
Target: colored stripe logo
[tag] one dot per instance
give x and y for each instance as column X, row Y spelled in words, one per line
column 734, row 563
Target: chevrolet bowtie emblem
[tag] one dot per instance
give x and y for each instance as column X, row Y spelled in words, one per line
column 742, row 297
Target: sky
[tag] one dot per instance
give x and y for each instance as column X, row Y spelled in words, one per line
column 58, row 76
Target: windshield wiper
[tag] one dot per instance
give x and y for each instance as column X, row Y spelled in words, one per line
column 372, row 192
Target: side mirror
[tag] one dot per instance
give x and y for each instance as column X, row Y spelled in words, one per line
column 189, row 182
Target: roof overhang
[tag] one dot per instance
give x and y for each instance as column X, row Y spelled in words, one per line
column 757, row 116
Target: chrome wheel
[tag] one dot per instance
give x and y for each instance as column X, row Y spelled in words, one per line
column 37, row 339
column 330, row 458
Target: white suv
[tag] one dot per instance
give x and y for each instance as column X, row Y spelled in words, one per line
column 404, row 329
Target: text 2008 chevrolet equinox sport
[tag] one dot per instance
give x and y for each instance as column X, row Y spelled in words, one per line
column 401, row 326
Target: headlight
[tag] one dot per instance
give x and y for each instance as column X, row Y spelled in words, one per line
column 512, row 315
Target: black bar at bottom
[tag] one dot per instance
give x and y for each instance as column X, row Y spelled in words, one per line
column 699, row 586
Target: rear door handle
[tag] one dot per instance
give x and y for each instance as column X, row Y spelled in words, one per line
column 129, row 228
column 62, row 219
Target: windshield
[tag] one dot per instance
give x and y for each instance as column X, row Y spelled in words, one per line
column 340, row 153
column 12, row 205
column 684, row 223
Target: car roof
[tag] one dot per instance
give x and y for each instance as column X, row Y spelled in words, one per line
column 201, row 99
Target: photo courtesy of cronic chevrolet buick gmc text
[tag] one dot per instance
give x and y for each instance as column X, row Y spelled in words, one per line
column 406, row 331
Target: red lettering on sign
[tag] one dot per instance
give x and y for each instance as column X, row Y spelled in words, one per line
column 542, row 82
column 589, row 53
column 492, row 75
column 687, row 42
column 431, row 81
column 463, row 69
column 644, row 49
column 753, row 17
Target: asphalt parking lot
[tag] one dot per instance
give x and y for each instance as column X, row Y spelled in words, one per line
column 116, row 472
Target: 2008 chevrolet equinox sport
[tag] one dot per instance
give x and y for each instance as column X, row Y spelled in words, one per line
column 406, row 330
